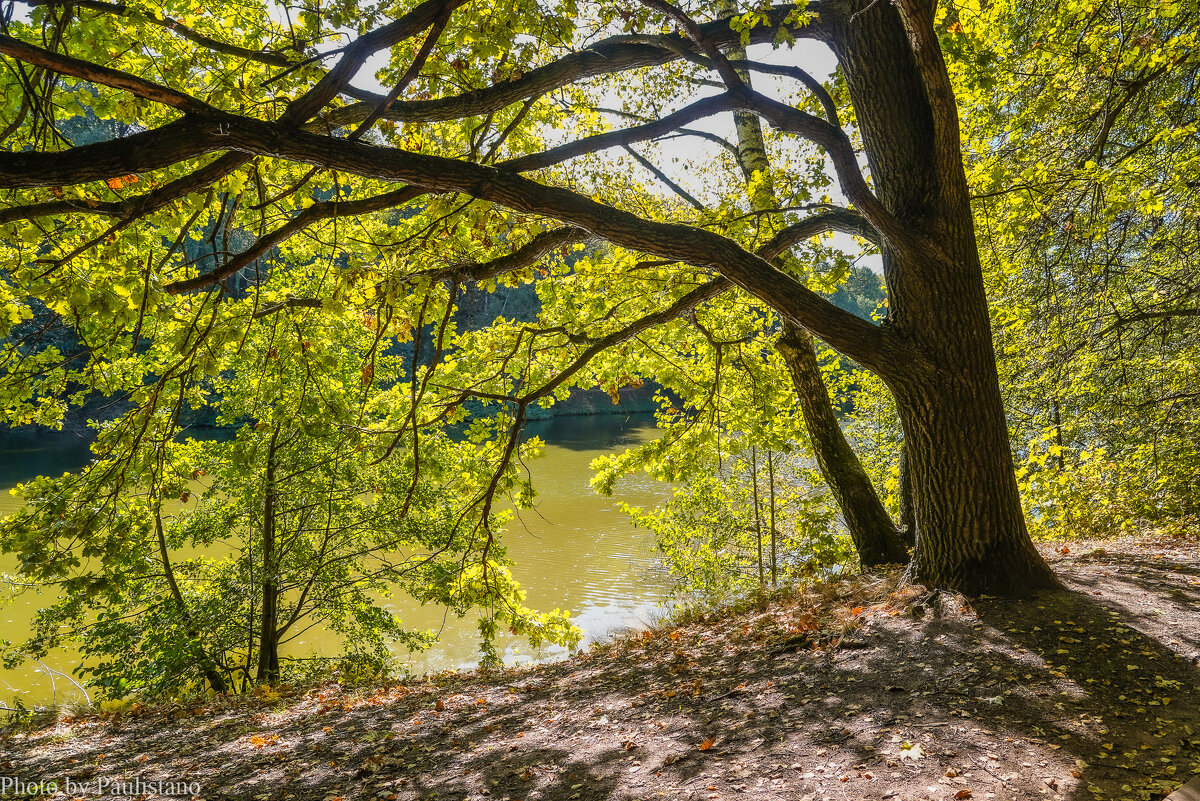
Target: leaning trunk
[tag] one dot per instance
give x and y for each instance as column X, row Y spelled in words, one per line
column 874, row 535
column 871, row 529
column 205, row 663
column 970, row 529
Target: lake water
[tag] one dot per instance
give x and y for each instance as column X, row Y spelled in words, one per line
column 575, row 550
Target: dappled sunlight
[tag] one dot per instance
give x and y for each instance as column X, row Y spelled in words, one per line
column 859, row 689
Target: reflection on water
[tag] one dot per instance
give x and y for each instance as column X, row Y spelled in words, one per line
column 21, row 463
column 575, row 550
column 593, row 432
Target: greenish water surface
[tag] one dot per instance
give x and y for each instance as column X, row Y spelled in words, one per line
column 575, row 550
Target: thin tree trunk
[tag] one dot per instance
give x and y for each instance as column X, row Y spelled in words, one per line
column 268, row 637
column 762, row 583
column 774, row 530
column 1058, row 435
column 207, row 666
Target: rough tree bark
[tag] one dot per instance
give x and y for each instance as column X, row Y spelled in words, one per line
column 908, row 518
column 970, row 529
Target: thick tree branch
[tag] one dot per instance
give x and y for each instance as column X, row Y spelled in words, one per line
column 917, row 16
column 177, row 141
column 819, row 223
column 139, row 205
column 855, row 337
column 105, row 76
column 841, row 329
column 696, row 34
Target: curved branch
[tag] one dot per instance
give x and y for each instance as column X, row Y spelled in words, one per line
column 616, row 54
column 819, row 223
column 841, row 220
column 691, row 300
column 106, row 76
column 522, row 257
column 848, row 333
column 310, row 215
column 272, row 58
column 720, row 62
column 845, row 162
column 803, row 76
column 623, row 137
column 855, row 337
column 711, row 137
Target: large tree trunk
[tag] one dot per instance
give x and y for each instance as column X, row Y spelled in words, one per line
column 875, row 536
column 970, row 529
column 971, row 533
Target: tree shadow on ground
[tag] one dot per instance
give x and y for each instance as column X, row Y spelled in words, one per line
column 1068, row 697
column 1129, row 702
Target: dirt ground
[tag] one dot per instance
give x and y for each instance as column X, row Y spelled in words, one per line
column 855, row 690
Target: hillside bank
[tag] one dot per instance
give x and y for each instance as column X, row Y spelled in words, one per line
column 857, row 689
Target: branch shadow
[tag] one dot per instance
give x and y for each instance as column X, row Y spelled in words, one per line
column 1067, row 697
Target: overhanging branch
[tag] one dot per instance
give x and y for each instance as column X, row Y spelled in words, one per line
column 612, row 55
column 105, row 76
column 841, row 329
